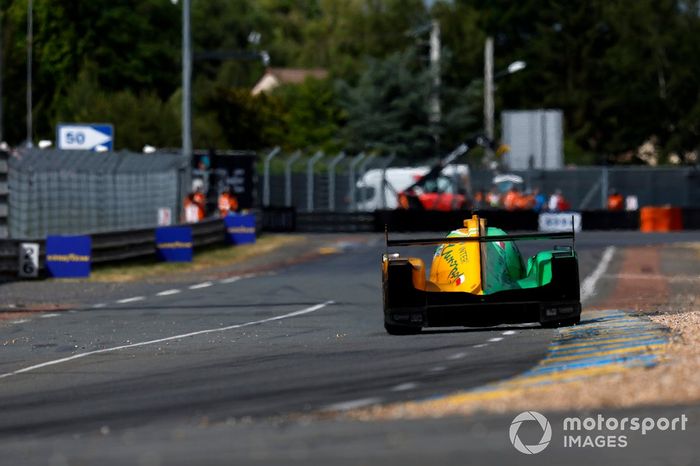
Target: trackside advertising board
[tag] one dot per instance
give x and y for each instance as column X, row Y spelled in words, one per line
column 68, row 256
column 174, row 244
column 551, row 222
column 240, row 229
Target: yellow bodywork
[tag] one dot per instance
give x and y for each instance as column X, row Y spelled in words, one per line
column 455, row 267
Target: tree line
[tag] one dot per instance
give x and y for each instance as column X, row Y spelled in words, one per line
column 624, row 72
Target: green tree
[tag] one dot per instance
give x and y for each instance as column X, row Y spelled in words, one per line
column 311, row 117
column 387, row 110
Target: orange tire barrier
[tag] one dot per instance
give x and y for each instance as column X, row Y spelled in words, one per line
column 660, row 219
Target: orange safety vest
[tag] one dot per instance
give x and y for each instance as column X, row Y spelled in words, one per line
column 227, row 203
column 615, row 202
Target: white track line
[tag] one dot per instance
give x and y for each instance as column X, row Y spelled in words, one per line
column 161, row 340
column 168, row 292
column 480, row 346
column 47, row 316
column 589, row 283
column 19, row 321
column 201, row 285
column 402, row 387
column 131, row 300
column 437, row 369
column 352, row 404
column 495, row 339
column 226, row 281
column 455, row 356
column 508, row 332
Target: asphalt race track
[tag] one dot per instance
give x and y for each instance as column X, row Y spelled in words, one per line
column 222, row 363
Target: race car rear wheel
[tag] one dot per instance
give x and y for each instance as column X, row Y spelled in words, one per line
column 401, row 329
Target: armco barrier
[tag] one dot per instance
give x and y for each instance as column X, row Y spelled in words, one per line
column 278, row 219
column 691, row 218
column 607, row 220
column 330, row 222
column 118, row 245
column 427, row 220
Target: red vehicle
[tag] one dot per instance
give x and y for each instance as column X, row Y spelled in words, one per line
column 437, row 190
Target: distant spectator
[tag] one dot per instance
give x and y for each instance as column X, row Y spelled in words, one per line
column 194, row 211
column 479, row 199
column 615, row 201
column 493, row 199
column 539, row 200
column 511, row 199
column 557, row 202
column 228, row 203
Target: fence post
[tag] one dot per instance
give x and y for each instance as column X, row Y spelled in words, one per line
column 351, row 177
column 331, row 180
column 604, row 189
column 310, row 180
column 386, row 163
column 288, row 178
column 266, row 175
column 363, row 170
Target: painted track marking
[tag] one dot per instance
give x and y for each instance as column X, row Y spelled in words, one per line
column 168, row 292
column 509, row 332
column 307, row 310
column 226, row 281
column 201, row 285
column 48, row 316
column 590, row 282
column 495, row 339
column 131, row 300
column 352, row 404
column 402, row 387
column 455, row 356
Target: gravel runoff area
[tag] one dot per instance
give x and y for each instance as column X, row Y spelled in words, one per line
column 658, row 283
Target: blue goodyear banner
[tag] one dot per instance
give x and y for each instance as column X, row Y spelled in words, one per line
column 68, row 256
column 240, row 229
column 174, row 244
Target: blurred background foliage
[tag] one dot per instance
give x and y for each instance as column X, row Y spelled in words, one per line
column 623, row 71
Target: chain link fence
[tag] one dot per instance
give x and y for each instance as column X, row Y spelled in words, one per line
column 77, row 192
column 350, row 183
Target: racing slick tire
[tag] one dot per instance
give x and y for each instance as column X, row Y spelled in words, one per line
column 401, row 329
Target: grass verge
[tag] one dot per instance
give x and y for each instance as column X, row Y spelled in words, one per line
column 216, row 256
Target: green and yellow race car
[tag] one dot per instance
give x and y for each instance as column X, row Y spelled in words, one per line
column 478, row 278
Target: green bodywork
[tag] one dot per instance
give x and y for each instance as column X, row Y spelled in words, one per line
column 503, row 267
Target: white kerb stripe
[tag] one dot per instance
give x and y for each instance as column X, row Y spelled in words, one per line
column 590, row 282
column 201, row 285
column 161, row 340
column 226, row 281
column 131, row 300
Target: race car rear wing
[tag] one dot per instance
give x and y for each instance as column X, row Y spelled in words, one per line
column 480, row 239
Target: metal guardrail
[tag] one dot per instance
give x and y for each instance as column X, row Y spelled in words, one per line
column 335, row 222
column 119, row 245
column 132, row 244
